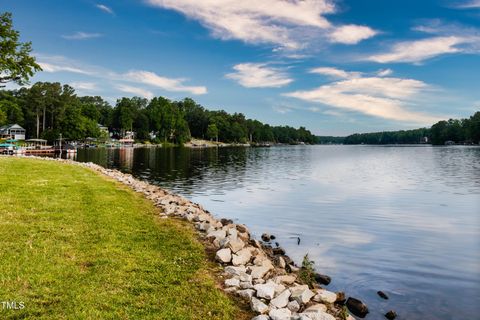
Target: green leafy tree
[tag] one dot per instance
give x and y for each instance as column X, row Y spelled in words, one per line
column 16, row 64
column 212, row 132
column 104, row 111
column 11, row 111
column 3, row 117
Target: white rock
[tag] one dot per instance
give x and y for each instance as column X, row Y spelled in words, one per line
column 235, row 271
column 316, row 308
column 280, row 314
column 233, row 282
column 202, row 226
column 293, row 306
column 224, row 255
column 246, row 285
column 242, row 257
column 317, row 316
column 294, row 269
column 245, row 277
column 325, row 296
column 247, row 294
column 258, row 306
column 286, row 279
column 217, row 234
column 232, row 232
column 259, row 272
column 281, row 300
column 266, row 290
column 261, row 317
column 268, row 264
column 259, row 259
column 279, row 288
column 236, row 244
column 281, row 262
column 301, row 294
column 210, row 229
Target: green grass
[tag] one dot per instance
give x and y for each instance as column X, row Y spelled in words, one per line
column 76, row 245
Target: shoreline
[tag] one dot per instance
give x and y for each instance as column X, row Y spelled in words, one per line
column 253, row 271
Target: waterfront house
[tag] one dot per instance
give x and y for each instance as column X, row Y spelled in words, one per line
column 12, row 131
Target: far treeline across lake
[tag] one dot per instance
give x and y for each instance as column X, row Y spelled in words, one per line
column 47, row 110
column 453, row 131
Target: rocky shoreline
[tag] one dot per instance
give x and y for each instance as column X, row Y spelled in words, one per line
column 253, row 270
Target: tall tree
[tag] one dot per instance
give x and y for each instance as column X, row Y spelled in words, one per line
column 16, row 64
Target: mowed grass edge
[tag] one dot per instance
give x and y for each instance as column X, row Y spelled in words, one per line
column 76, row 245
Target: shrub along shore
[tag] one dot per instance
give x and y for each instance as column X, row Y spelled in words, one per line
column 255, row 272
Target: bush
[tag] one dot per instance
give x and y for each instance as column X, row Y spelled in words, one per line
column 307, row 272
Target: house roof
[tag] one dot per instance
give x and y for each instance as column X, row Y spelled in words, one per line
column 7, row 127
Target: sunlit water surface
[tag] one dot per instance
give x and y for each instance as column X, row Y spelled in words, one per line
column 401, row 219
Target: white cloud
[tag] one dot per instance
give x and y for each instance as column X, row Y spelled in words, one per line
column 351, row 34
column 282, row 109
column 152, row 79
column 259, row 75
column 136, row 91
column 87, row 86
column 282, row 23
column 80, row 35
column 388, row 98
column 420, row 50
column 62, row 64
column 335, row 73
column 384, row 72
column 472, row 4
column 49, row 67
column 104, row 8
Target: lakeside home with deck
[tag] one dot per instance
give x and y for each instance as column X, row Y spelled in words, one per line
column 12, row 131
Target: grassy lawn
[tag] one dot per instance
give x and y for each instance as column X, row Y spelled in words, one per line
column 74, row 245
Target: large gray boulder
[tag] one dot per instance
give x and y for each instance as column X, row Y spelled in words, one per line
column 258, row 306
column 266, row 290
column 236, row 244
column 293, row 306
column 281, row 300
column 247, row 294
column 301, row 294
column 217, row 234
column 316, row 308
column 242, row 257
column 316, row 316
column 259, row 271
column 235, row 271
column 280, row 314
column 325, row 296
column 234, row 282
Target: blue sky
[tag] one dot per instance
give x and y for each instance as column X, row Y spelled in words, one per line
column 336, row 67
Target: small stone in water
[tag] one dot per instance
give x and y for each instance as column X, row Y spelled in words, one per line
column 322, row 279
column 382, row 295
column 357, row 307
column 390, row 315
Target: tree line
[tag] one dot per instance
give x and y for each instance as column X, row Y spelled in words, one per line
column 47, row 110
column 458, row 131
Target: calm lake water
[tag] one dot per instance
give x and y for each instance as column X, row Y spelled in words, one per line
column 401, row 219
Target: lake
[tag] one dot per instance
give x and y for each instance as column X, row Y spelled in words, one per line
column 401, row 219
